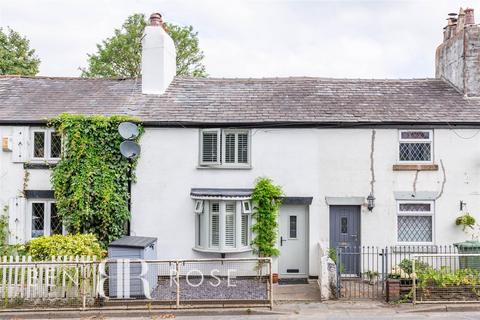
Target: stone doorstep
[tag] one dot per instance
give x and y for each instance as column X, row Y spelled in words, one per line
column 296, row 293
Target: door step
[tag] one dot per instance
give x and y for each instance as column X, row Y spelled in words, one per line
column 293, row 281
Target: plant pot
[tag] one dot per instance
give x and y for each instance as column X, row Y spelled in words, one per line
column 275, row 277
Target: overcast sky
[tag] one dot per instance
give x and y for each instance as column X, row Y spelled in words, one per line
column 348, row 39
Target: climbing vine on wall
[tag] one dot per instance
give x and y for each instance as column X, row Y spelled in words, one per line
column 91, row 179
column 267, row 199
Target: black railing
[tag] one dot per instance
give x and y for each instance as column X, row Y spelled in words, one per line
column 363, row 271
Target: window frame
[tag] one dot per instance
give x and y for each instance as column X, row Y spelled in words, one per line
column 290, row 225
column 430, row 213
column 47, row 145
column 221, row 149
column 430, row 141
column 204, row 230
column 246, row 210
column 47, row 218
column 219, row 139
column 223, row 152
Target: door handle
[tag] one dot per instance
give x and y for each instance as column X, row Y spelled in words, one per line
column 281, row 241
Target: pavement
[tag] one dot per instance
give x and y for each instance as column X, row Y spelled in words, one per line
column 291, row 302
column 334, row 310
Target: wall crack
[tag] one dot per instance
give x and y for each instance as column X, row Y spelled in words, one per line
column 440, row 193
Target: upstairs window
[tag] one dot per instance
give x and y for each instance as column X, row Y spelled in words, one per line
column 46, row 145
column 227, row 148
column 415, row 145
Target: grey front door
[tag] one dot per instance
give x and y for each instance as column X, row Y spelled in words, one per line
column 345, row 236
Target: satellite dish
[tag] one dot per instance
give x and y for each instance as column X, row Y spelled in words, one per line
column 129, row 149
column 128, row 130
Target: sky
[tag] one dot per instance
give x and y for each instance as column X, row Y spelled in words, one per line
column 340, row 39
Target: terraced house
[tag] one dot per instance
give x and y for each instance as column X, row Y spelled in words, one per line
column 361, row 162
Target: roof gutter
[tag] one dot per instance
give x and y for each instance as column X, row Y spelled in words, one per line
column 280, row 125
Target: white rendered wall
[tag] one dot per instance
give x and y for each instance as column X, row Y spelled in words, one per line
column 305, row 162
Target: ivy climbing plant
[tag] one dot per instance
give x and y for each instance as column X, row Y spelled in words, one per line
column 266, row 198
column 91, row 179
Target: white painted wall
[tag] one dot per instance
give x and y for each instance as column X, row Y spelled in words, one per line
column 305, row 162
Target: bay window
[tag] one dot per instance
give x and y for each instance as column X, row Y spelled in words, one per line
column 222, row 225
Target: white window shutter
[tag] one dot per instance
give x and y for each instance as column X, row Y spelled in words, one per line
column 16, row 220
column 210, row 146
column 230, row 225
column 20, row 140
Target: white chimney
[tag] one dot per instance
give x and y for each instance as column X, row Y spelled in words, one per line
column 158, row 57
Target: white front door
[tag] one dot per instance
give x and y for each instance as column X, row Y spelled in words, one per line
column 292, row 241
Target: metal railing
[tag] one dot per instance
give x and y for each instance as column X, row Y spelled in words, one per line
column 163, row 283
column 362, row 271
column 445, row 278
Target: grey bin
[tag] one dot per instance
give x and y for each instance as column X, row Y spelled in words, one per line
column 132, row 248
column 469, row 247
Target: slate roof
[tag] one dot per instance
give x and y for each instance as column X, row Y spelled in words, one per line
column 214, row 101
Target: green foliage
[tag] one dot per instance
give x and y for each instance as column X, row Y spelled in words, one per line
column 332, row 254
column 407, row 266
column 445, row 277
column 120, row 55
column 16, row 57
column 267, row 199
column 466, row 221
column 404, row 269
column 4, row 247
column 43, row 248
column 91, row 180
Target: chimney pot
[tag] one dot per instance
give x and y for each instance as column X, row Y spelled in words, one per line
column 469, row 16
column 156, row 19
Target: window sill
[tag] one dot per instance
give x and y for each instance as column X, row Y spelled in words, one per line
column 415, row 167
column 226, row 167
column 240, row 250
column 40, row 165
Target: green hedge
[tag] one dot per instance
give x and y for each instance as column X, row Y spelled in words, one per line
column 43, row 248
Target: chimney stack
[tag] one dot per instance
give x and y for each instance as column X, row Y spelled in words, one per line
column 457, row 59
column 469, row 17
column 158, row 57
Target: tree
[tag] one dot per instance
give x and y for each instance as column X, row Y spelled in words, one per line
column 16, row 57
column 120, row 55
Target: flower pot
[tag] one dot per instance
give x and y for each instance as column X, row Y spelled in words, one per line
column 275, row 277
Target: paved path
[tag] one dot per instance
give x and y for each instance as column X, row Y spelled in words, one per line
column 335, row 310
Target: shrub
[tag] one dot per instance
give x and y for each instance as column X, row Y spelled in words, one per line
column 43, row 248
column 466, row 221
column 267, row 199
